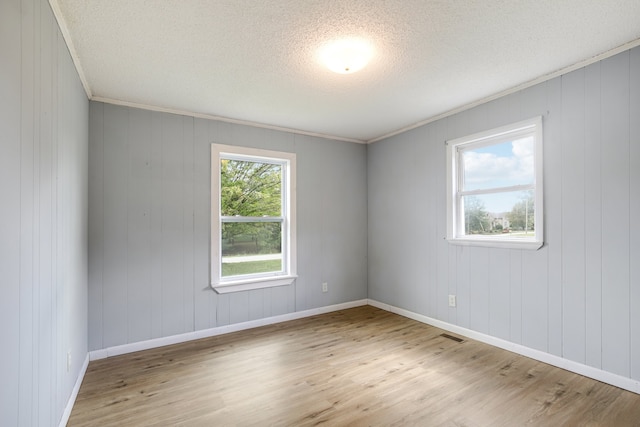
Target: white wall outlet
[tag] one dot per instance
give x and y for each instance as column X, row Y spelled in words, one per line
column 325, row 287
column 68, row 360
column 452, row 300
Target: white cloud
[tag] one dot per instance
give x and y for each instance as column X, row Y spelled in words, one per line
column 496, row 167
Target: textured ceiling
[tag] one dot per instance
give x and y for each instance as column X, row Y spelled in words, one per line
column 256, row 61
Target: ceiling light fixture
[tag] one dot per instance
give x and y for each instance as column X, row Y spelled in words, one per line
column 346, row 56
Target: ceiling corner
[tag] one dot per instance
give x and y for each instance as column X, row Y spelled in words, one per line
column 66, row 35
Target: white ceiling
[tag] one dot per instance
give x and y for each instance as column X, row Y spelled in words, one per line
column 255, row 61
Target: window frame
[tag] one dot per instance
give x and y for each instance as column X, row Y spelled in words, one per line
column 455, row 222
column 288, row 220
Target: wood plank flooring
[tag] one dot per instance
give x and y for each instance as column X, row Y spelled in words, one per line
column 356, row 367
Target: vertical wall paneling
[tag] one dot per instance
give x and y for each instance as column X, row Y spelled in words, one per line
column 203, row 300
column 156, row 215
column 61, row 197
column 46, row 219
column 457, row 285
column 634, row 212
column 77, row 318
column 381, row 239
column 115, row 238
column 499, row 293
column 615, row 214
column 223, row 314
column 458, row 126
column 37, row 81
column 155, row 234
column 10, row 51
column 434, row 242
column 344, row 184
column 505, row 110
column 172, row 227
column 27, row 205
column 414, row 269
column 424, row 255
column 351, row 279
column 478, row 288
column 309, row 228
column 266, row 300
column 43, row 175
column 593, row 217
column 138, row 226
column 449, row 314
column 256, row 304
column 421, row 257
column 553, row 167
column 461, row 313
column 96, row 225
column 281, row 302
column 573, row 215
column 431, row 193
column 240, row 303
column 444, row 249
column 215, row 130
column 322, row 197
column 515, row 297
column 188, row 186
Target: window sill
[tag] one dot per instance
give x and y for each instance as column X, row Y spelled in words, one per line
column 251, row 284
column 504, row 244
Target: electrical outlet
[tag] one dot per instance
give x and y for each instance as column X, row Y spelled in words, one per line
column 325, row 287
column 452, row 300
column 68, row 360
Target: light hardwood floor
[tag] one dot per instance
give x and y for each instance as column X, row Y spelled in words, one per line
column 356, row 367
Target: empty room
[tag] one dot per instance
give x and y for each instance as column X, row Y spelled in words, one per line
column 362, row 213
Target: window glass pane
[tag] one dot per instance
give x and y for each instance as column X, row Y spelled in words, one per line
column 509, row 214
column 251, row 247
column 250, row 188
column 499, row 165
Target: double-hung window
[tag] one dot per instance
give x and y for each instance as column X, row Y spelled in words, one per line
column 494, row 187
column 253, row 218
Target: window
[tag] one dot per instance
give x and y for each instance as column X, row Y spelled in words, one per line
column 494, row 187
column 252, row 218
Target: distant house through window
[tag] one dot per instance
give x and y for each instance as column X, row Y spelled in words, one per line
column 494, row 187
column 253, row 218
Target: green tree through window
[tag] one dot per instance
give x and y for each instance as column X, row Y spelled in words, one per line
column 522, row 216
column 476, row 217
column 251, row 203
column 250, row 188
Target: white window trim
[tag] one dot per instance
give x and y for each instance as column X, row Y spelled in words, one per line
column 237, row 284
column 490, row 137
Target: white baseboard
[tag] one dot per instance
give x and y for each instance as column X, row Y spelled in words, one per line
column 74, row 393
column 205, row 333
column 569, row 365
column 578, row 368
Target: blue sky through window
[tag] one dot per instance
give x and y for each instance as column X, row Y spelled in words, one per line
column 500, row 165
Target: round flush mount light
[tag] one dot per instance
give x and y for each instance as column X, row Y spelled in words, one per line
column 346, row 56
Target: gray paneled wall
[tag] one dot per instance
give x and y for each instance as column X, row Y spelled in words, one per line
column 43, row 216
column 149, row 208
column 578, row 297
